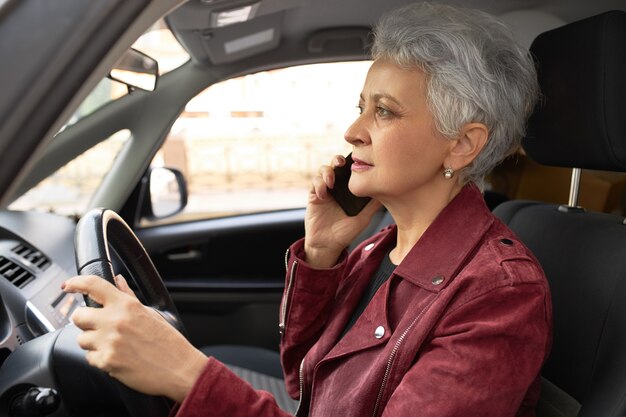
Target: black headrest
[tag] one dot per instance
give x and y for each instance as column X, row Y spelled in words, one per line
column 580, row 120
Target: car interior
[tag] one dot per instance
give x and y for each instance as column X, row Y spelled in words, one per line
column 577, row 125
column 563, row 193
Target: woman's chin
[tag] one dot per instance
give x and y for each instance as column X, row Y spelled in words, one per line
column 359, row 191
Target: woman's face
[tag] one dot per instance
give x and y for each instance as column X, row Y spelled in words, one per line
column 396, row 148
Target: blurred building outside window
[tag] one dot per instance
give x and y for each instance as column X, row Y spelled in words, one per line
column 253, row 143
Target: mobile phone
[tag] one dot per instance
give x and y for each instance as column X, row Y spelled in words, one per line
column 351, row 204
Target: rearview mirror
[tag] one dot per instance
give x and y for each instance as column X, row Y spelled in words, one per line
column 136, row 70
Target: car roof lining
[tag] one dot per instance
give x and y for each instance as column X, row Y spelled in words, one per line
column 295, row 21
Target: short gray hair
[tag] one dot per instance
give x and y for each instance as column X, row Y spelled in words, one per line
column 476, row 72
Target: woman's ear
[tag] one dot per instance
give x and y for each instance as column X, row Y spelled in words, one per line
column 467, row 146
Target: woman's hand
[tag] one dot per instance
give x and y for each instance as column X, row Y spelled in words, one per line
column 132, row 342
column 328, row 230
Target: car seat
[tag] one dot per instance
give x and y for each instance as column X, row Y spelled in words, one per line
column 580, row 123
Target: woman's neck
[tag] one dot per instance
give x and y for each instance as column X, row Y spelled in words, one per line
column 413, row 215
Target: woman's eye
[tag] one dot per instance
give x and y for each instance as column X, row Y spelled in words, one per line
column 359, row 108
column 383, row 112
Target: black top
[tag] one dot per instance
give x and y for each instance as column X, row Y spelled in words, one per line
column 383, row 273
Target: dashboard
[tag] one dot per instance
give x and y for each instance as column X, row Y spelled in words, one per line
column 36, row 256
column 43, row 370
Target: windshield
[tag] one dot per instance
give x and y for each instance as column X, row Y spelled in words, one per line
column 157, row 42
column 69, row 190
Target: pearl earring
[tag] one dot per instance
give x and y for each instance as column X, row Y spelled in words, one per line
column 448, row 173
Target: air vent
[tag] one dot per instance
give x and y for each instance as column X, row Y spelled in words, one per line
column 13, row 272
column 33, row 256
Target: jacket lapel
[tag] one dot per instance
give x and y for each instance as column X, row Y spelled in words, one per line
column 431, row 264
column 371, row 328
column 437, row 257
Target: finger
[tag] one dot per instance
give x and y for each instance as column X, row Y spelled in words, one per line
column 338, row 161
column 95, row 358
column 122, row 285
column 328, row 175
column 95, row 287
column 88, row 340
column 319, row 188
column 86, row 318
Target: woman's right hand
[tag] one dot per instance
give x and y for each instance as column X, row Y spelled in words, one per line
column 133, row 343
column 328, row 230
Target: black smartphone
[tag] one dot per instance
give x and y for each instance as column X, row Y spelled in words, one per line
column 351, row 204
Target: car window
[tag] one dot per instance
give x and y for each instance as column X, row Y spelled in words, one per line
column 70, row 188
column 253, row 143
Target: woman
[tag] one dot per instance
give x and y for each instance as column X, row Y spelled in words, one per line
column 444, row 314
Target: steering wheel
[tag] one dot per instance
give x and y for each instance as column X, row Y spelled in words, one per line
column 102, row 230
column 97, row 233
column 55, row 360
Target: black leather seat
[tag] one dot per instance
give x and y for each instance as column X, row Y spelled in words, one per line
column 580, row 122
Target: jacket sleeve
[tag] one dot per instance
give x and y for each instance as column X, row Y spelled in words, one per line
column 481, row 359
column 305, row 309
column 219, row 392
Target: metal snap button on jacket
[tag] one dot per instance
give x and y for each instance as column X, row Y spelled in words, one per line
column 437, row 280
column 379, row 332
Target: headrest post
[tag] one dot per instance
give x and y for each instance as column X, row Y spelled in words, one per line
column 574, row 188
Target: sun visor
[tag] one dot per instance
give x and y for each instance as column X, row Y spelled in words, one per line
column 222, row 31
column 231, row 43
column 581, row 118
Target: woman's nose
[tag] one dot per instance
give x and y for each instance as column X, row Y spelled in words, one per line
column 357, row 133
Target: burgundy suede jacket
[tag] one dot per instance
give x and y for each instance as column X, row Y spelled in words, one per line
column 461, row 328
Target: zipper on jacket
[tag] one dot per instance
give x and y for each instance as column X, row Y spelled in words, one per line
column 283, row 309
column 301, row 398
column 392, row 356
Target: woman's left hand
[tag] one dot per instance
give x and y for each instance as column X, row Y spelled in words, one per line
column 132, row 342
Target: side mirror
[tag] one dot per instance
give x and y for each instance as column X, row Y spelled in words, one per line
column 164, row 193
column 136, row 70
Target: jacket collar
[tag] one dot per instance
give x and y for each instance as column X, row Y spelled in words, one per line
column 440, row 252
